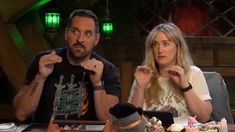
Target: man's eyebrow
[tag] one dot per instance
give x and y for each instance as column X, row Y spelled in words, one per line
column 86, row 30
column 74, row 27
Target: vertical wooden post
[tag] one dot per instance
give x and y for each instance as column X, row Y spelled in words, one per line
column 127, row 76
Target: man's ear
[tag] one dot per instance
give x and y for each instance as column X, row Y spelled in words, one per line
column 66, row 33
column 97, row 39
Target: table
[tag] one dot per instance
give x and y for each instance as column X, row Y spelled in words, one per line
column 35, row 127
column 92, row 126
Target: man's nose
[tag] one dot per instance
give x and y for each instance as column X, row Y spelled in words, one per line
column 80, row 37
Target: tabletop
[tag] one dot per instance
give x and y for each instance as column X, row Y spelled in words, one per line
column 36, row 127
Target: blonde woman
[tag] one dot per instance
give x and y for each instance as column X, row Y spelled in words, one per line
column 168, row 80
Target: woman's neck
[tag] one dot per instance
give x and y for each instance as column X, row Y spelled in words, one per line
column 163, row 71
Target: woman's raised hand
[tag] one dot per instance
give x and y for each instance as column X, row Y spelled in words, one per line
column 143, row 75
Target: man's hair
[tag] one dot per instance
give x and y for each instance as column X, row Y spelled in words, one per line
column 84, row 13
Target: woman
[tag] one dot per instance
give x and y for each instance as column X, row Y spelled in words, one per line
column 168, row 80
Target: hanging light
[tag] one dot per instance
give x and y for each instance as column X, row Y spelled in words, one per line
column 52, row 20
column 107, row 28
column 107, row 25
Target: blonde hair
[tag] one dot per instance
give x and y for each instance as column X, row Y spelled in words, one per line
column 183, row 58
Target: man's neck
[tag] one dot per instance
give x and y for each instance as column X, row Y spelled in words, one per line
column 76, row 61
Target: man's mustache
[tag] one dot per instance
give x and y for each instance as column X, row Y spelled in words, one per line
column 79, row 44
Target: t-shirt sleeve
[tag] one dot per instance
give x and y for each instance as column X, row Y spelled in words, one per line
column 111, row 78
column 199, row 84
column 32, row 70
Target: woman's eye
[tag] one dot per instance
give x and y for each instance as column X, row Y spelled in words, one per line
column 166, row 44
column 154, row 44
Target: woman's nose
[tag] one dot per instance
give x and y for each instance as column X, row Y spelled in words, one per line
column 159, row 48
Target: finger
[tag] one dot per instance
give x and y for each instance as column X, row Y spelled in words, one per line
column 92, row 66
column 144, row 69
column 51, row 59
column 55, row 57
column 53, row 52
column 172, row 72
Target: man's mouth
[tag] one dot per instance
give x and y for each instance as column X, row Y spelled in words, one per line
column 79, row 46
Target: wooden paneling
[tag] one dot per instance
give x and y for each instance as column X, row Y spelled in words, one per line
column 226, row 57
column 127, row 78
column 214, row 53
column 203, row 57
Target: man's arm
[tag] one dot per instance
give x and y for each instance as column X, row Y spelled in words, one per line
column 103, row 102
column 26, row 101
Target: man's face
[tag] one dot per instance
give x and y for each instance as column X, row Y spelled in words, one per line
column 81, row 37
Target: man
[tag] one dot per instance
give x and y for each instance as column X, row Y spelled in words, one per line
column 72, row 82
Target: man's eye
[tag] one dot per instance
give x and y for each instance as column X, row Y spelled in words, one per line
column 75, row 31
column 89, row 34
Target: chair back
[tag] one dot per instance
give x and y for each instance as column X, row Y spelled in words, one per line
column 219, row 94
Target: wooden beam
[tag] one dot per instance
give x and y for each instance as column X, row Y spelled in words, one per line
column 11, row 60
column 10, row 10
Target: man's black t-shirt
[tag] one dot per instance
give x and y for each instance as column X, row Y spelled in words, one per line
column 68, row 91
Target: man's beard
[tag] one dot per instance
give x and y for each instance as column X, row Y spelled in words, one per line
column 78, row 55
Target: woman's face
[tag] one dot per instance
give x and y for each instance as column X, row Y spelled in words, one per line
column 164, row 50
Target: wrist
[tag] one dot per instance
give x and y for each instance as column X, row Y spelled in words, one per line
column 186, row 89
column 141, row 88
column 99, row 86
column 40, row 77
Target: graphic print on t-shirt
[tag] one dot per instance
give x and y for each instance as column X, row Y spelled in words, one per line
column 70, row 98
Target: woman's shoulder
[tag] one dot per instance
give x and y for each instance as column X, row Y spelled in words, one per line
column 195, row 71
column 195, row 68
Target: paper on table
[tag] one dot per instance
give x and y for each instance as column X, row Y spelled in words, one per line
column 8, row 127
column 94, row 127
column 21, row 128
column 183, row 120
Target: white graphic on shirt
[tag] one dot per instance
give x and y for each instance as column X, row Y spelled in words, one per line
column 70, row 99
column 169, row 100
